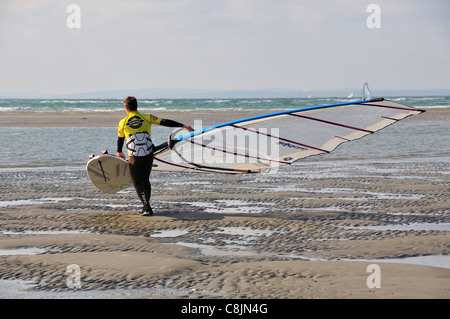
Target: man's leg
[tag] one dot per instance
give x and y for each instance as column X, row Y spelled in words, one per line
column 137, row 172
column 146, row 178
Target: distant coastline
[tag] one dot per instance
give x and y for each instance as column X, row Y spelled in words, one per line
column 199, row 94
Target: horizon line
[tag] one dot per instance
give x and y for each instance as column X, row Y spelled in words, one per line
column 218, row 93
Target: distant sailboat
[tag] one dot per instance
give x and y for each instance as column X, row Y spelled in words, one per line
column 350, row 95
column 310, row 95
column 366, row 92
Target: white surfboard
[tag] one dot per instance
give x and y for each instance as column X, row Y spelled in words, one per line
column 109, row 173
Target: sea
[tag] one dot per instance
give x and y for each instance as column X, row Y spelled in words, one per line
column 71, row 146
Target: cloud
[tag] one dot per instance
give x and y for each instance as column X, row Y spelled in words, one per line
column 223, row 44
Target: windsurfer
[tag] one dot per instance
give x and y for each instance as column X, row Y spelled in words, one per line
column 136, row 128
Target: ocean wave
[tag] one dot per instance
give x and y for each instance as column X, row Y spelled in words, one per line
column 159, row 108
column 167, row 110
column 261, row 105
column 434, row 106
column 100, row 101
column 14, row 109
column 217, row 101
column 154, row 102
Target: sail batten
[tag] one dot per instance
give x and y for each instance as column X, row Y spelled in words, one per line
column 332, row 123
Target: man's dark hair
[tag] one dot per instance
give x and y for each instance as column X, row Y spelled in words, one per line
column 131, row 103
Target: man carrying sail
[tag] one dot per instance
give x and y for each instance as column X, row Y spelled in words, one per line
column 136, row 129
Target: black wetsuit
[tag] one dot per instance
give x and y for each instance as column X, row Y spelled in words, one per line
column 141, row 167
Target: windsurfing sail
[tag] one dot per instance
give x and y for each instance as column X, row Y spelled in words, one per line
column 267, row 141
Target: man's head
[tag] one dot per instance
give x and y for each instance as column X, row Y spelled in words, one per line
column 130, row 103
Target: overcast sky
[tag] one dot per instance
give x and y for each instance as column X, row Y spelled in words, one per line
column 223, row 44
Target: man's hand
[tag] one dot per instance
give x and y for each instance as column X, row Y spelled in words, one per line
column 188, row 127
column 120, row 154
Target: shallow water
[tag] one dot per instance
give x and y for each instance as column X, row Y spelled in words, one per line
column 23, row 289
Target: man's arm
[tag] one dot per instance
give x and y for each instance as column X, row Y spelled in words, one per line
column 171, row 123
column 120, row 141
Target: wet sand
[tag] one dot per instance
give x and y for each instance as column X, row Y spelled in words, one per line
column 292, row 235
column 111, row 119
column 108, row 119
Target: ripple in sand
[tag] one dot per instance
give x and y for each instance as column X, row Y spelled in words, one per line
column 405, row 227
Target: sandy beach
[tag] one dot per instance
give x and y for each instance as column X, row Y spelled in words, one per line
column 228, row 236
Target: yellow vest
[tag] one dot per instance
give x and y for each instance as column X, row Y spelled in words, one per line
column 136, row 122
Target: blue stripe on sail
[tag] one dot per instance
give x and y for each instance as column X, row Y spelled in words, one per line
column 191, row 134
